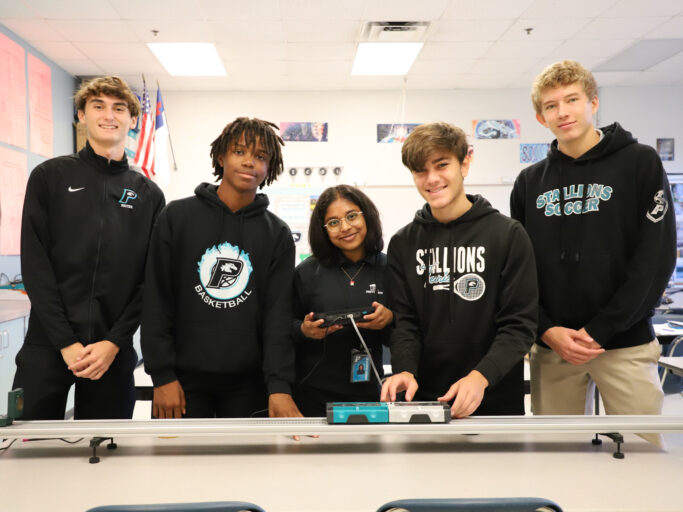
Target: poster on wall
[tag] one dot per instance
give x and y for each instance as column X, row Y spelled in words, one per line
column 12, row 93
column 394, row 132
column 665, row 149
column 496, row 129
column 40, row 106
column 531, row 153
column 13, row 178
column 303, row 132
column 294, row 206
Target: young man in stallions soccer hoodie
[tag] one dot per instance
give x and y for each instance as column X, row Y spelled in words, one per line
column 462, row 281
column 216, row 318
column 598, row 211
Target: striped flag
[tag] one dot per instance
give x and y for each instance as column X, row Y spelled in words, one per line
column 163, row 176
column 144, row 157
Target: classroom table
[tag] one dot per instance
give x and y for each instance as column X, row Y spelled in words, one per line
column 348, row 473
column 672, row 364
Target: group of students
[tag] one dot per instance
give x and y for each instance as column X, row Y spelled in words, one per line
column 462, row 294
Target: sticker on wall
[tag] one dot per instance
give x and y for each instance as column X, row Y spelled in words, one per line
column 531, row 153
column 496, row 129
column 394, row 132
column 665, row 149
column 304, row 132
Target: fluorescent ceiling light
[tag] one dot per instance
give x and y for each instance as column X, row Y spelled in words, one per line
column 385, row 58
column 188, row 59
column 642, row 55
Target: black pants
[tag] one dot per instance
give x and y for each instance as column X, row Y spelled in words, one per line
column 46, row 380
column 210, row 395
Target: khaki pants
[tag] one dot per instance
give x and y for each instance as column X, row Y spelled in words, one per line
column 626, row 377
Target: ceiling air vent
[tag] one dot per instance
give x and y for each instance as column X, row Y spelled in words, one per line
column 395, row 31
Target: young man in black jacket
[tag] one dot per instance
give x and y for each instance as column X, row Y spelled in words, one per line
column 85, row 230
column 216, row 321
column 462, row 282
column 598, row 211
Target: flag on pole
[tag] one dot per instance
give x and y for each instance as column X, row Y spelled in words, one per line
column 144, row 157
column 163, row 176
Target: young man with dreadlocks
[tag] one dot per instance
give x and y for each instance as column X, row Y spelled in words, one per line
column 216, row 316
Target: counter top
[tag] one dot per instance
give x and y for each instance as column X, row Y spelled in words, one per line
column 13, row 305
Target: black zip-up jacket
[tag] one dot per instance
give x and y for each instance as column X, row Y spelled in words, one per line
column 326, row 364
column 604, row 233
column 218, row 292
column 465, row 298
column 84, row 236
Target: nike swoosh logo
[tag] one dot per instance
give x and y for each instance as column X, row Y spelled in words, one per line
column 75, row 189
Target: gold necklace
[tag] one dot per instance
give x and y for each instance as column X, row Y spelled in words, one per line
column 352, row 281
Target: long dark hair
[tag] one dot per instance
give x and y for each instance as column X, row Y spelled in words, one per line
column 320, row 243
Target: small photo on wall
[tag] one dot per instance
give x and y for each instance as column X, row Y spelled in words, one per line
column 496, row 129
column 304, row 132
column 531, row 153
column 665, row 149
column 394, row 132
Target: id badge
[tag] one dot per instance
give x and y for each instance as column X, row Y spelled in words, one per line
column 360, row 366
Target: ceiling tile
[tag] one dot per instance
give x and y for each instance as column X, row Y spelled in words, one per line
column 455, row 66
column 513, row 49
column 542, row 30
column 256, row 68
column 558, row 9
column 581, row 49
column 132, row 67
column 459, row 49
column 155, row 10
column 170, row 31
column 319, row 51
column 511, row 65
column 480, row 30
column 329, row 31
column 403, row 10
column 668, row 30
column 59, row 50
column 485, row 9
column 318, row 10
column 15, row 9
column 619, row 28
column 109, row 31
column 613, row 78
column 635, row 8
column 120, row 51
column 231, row 10
column 33, row 30
column 238, row 31
column 322, row 68
column 252, row 51
column 80, row 67
column 73, row 10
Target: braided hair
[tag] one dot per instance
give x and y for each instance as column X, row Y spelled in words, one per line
column 251, row 129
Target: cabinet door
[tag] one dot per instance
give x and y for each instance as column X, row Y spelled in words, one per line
column 11, row 340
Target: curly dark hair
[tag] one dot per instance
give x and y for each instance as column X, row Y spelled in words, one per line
column 321, row 246
column 252, row 129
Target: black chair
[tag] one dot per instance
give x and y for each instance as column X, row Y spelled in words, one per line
column 472, row 504
column 214, row 506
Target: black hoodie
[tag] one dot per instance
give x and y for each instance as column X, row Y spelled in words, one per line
column 84, row 236
column 218, row 292
column 605, row 269
column 464, row 297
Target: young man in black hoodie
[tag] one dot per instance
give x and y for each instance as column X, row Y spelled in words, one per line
column 216, row 320
column 84, row 235
column 598, row 211
column 462, row 282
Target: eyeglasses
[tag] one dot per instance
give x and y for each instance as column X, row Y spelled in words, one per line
column 351, row 218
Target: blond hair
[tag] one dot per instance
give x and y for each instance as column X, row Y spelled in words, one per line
column 107, row 86
column 427, row 138
column 565, row 72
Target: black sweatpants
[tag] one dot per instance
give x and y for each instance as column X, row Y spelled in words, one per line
column 209, row 395
column 46, row 380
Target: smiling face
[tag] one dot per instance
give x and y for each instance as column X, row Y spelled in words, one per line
column 440, row 183
column 244, row 168
column 107, row 121
column 568, row 113
column 350, row 237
